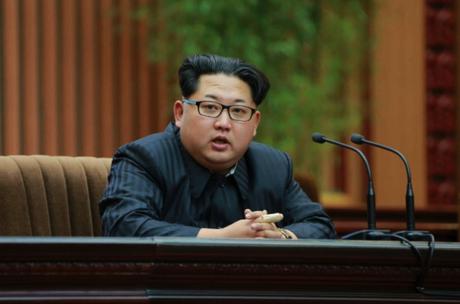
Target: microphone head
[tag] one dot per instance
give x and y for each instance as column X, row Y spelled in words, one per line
column 357, row 138
column 318, row 138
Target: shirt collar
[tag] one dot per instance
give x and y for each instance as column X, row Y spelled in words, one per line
column 232, row 170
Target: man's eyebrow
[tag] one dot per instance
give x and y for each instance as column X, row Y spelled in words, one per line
column 211, row 96
column 218, row 99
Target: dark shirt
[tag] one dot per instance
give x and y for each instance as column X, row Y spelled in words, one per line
column 157, row 189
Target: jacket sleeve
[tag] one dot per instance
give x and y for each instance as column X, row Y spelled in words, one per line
column 306, row 219
column 132, row 202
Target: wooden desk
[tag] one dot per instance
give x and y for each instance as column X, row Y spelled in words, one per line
column 189, row 270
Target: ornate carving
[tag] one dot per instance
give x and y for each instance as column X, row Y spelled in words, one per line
column 440, row 70
column 127, row 268
column 168, row 275
column 75, row 268
column 441, row 117
column 440, row 23
column 441, row 108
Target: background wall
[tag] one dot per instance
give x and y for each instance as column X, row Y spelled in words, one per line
column 75, row 79
column 398, row 99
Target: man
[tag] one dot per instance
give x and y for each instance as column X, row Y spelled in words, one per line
column 203, row 176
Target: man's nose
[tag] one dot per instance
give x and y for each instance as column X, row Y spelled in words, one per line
column 224, row 120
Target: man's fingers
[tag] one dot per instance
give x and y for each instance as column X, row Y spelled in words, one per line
column 254, row 214
column 269, row 234
column 263, row 226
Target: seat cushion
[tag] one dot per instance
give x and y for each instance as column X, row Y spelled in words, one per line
column 51, row 195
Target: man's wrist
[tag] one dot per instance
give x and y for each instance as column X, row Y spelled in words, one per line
column 210, row 233
column 287, row 234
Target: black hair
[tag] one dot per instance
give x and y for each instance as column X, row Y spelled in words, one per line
column 195, row 66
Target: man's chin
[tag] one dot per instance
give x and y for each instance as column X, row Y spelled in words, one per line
column 220, row 162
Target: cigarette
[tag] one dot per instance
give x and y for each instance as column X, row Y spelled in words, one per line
column 270, row 218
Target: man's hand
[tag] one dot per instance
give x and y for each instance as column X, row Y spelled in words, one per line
column 239, row 229
column 265, row 227
column 253, row 226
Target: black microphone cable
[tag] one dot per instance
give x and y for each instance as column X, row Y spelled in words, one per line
column 425, row 265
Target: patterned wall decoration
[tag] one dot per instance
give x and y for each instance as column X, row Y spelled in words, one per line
column 441, row 101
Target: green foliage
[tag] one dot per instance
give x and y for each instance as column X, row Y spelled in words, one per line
column 307, row 48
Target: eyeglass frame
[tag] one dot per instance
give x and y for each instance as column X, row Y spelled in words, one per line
column 198, row 102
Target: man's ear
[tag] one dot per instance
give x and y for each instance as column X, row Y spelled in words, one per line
column 257, row 117
column 178, row 110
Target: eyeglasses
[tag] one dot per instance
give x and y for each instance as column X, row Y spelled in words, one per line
column 214, row 109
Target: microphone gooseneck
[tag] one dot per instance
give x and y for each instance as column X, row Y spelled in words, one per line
column 410, row 218
column 320, row 138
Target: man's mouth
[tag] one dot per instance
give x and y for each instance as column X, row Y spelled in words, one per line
column 220, row 143
column 221, row 140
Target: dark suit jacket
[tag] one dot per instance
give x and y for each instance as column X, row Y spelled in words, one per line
column 155, row 189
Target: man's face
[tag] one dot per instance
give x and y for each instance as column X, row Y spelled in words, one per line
column 217, row 143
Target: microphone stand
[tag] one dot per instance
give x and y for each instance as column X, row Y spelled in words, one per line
column 371, row 233
column 410, row 233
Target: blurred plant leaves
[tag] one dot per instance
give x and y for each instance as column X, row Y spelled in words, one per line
column 309, row 49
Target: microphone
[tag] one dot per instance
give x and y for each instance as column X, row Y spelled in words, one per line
column 319, row 138
column 410, row 218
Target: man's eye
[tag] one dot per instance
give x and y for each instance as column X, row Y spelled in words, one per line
column 239, row 111
column 210, row 107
